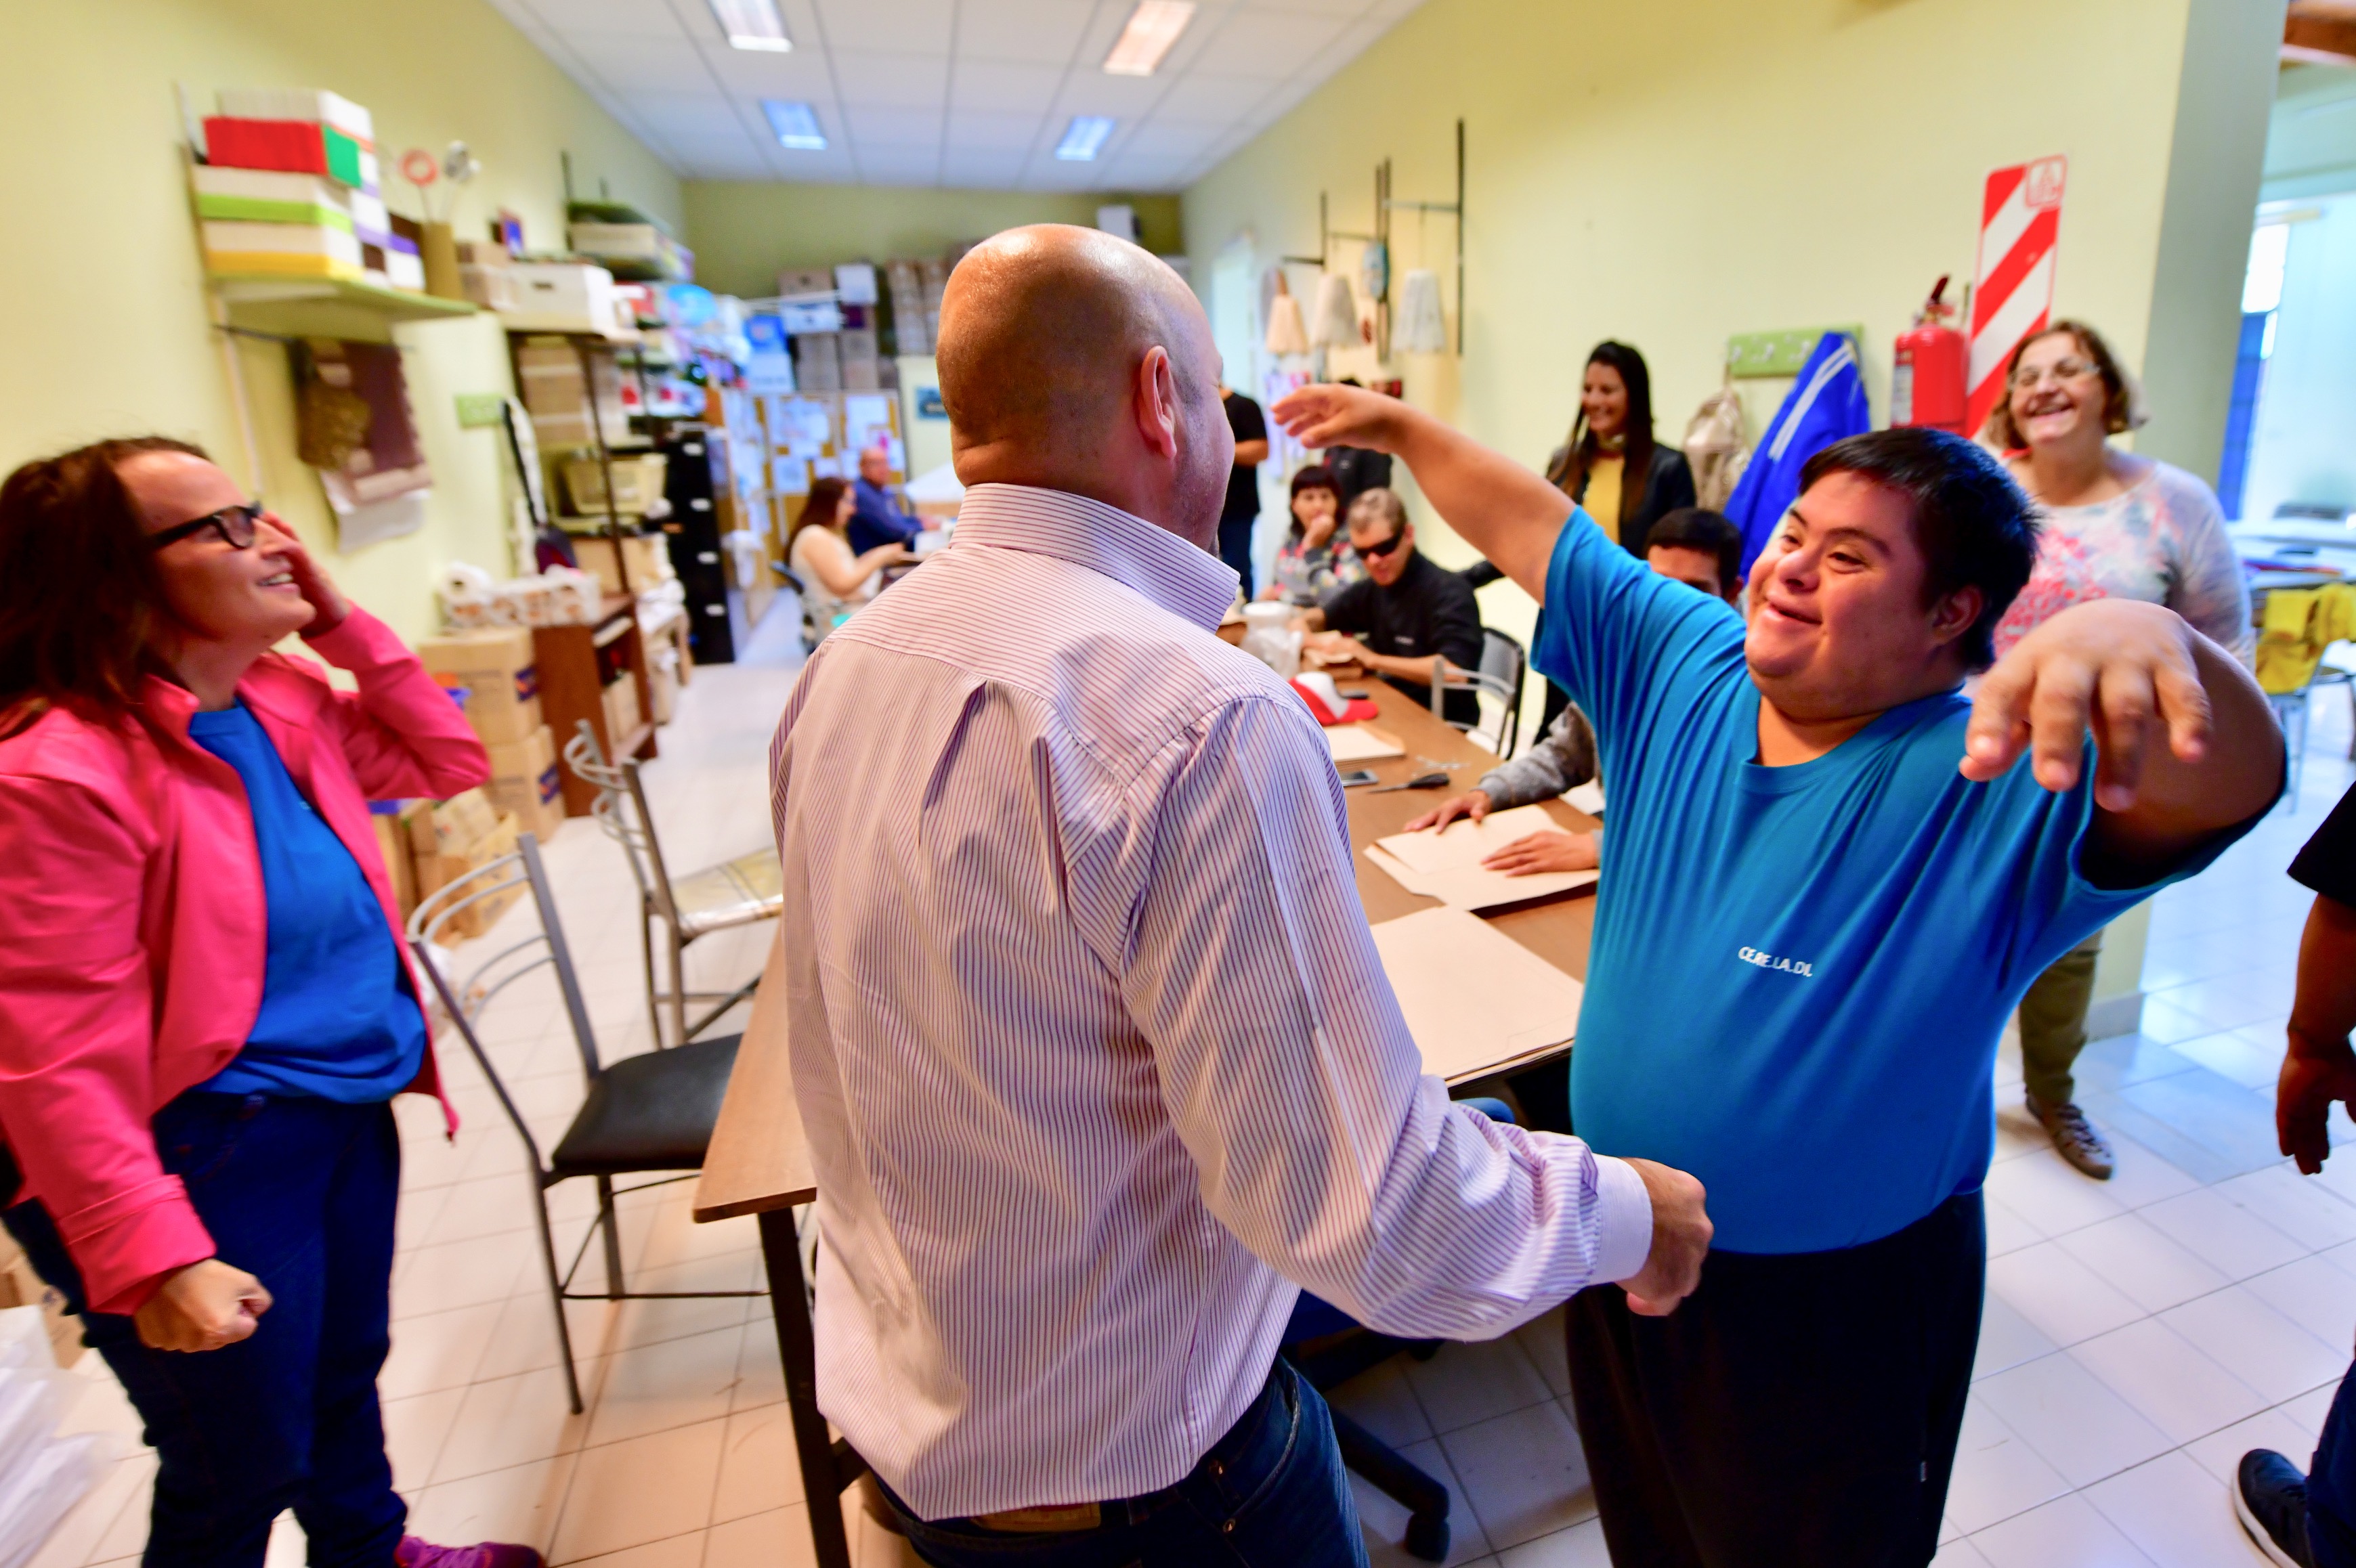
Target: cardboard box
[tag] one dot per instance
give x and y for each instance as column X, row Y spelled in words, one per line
column 394, row 834
column 493, row 288
column 484, row 254
column 564, row 296
column 622, row 716
column 499, row 675
column 818, row 362
column 526, row 783
column 637, row 482
column 645, row 554
column 805, row 281
column 438, row 867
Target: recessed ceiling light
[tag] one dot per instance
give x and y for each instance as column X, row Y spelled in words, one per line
column 1084, row 138
column 752, row 25
column 1153, row 28
column 796, row 124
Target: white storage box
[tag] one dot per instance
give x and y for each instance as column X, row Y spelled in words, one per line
column 564, row 296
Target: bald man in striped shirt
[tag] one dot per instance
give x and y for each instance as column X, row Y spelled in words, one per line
column 1097, row 1064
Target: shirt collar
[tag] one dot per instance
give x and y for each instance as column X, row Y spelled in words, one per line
column 1149, row 559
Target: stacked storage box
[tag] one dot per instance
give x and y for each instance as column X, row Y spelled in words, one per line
column 461, row 835
column 487, row 273
column 558, row 399
column 501, row 679
column 291, row 188
column 910, row 326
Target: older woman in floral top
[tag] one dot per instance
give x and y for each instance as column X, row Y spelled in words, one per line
column 1316, row 558
column 2116, row 526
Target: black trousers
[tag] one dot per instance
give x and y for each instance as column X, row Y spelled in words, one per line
column 1798, row 1409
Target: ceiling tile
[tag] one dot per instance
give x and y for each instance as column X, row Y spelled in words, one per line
column 1160, row 139
column 992, row 133
column 998, row 85
column 646, row 18
column 802, row 74
column 1045, row 32
column 1220, row 99
column 1124, row 98
column 1267, row 43
column 686, row 114
column 981, row 169
column 913, row 166
column 631, row 64
column 913, row 25
column 879, row 126
column 917, row 81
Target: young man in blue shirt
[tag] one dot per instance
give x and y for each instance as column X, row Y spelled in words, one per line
column 1828, row 887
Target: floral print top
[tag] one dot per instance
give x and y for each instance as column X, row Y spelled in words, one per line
column 2162, row 541
column 1304, row 576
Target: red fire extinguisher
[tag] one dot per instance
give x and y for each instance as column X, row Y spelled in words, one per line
column 1926, row 385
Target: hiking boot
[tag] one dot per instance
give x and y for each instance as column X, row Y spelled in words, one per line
column 2074, row 1138
column 2270, row 1500
column 413, row 1553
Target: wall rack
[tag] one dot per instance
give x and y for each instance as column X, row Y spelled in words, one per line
column 1385, row 205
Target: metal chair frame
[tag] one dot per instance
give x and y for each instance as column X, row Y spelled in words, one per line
column 621, row 811
column 1503, row 666
column 464, row 1002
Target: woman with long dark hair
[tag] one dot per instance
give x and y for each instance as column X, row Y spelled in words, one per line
column 1610, row 465
column 836, row 580
column 205, row 1005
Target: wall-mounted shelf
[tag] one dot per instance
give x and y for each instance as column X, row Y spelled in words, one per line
column 324, row 307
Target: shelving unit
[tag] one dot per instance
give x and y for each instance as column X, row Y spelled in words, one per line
column 585, row 346
column 324, row 307
column 577, row 665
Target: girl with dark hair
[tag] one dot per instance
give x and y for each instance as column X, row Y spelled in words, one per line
column 835, row 581
column 205, row 1003
column 1610, row 464
column 1316, row 558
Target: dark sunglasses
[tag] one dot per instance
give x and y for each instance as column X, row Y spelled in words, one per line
column 234, row 524
column 1385, row 547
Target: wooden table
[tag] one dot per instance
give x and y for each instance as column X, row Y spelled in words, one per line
column 759, row 1161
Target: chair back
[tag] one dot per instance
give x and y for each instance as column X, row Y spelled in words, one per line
column 621, row 810
column 467, row 989
column 1499, row 681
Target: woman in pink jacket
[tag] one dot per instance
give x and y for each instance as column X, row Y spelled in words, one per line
column 205, row 1004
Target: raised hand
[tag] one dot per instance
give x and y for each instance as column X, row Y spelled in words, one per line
column 329, row 605
column 1321, row 414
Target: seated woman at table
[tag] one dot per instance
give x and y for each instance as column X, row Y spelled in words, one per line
column 1316, row 558
column 835, row 581
column 206, row 1007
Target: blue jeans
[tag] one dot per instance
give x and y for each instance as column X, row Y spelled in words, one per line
column 298, row 1192
column 2331, row 1484
column 1270, row 1494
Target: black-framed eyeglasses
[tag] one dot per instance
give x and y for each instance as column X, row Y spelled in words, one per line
column 1386, row 547
column 234, row 524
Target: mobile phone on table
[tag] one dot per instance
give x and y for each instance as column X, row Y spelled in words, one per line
column 1358, row 776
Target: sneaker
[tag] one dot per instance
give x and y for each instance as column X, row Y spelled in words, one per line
column 2270, row 1500
column 413, row 1553
column 2074, row 1138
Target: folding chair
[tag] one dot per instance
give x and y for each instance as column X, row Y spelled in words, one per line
column 1499, row 678
column 735, row 892
column 642, row 1115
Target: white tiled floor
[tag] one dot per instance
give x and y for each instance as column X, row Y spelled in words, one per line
column 2139, row 1334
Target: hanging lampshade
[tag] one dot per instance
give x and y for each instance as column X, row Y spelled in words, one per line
column 1286, row 331
column 1423, row 329
column 1336, row 315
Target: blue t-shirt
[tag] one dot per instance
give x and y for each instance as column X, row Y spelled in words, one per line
column 1799, row 973
column 339, row 1020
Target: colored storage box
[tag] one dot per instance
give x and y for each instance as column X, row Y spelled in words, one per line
column 267, row 196
column 281, row 250
column 298, row 103
column 292, row 146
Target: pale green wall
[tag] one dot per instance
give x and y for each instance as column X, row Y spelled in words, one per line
column 743, row 234
column 2311, row 146
column 108, row 334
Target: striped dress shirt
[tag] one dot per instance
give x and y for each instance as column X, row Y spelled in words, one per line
column 1093, row 1050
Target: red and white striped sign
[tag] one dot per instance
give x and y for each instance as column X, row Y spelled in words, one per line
column 2012, row 297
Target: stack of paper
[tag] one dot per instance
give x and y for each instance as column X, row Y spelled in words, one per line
column 1445, row 863
column 1362, row 743
column 1476, row 1001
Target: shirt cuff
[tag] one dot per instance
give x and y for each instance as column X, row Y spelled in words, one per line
column 1624, row 1216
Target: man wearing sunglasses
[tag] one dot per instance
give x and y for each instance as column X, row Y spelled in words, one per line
column 1405, row 615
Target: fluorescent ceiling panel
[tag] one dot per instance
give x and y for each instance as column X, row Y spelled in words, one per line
column 752, row 25
column 796, row 124
column 1153, row 28
column 1084, row 138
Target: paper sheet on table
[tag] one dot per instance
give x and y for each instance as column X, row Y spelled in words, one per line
column 1446, row 865
column 1362, row 743
column 1474, row 1000
column 1476, row 887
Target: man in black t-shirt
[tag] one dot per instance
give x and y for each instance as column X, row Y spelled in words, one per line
column 1241, row 514
column 2311, row 1519
column 1405, row 611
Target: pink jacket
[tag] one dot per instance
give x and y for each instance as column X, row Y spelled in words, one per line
column 132, row 922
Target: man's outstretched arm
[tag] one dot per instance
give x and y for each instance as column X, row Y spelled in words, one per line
column 1501, row 508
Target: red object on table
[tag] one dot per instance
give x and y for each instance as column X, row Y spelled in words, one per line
column 1353, row 710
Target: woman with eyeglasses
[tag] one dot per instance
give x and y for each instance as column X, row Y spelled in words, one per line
column 205, row 1004
column 2115, row 526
